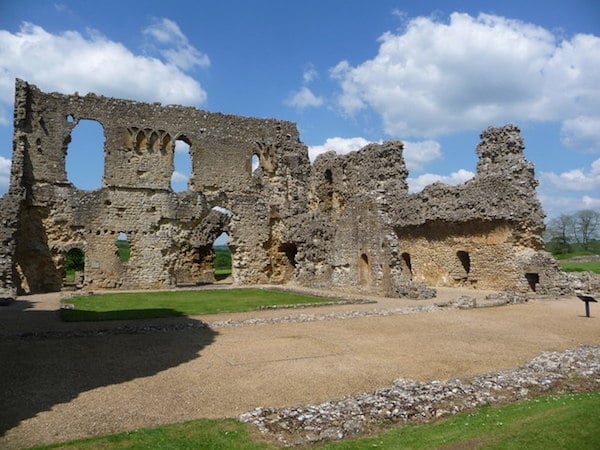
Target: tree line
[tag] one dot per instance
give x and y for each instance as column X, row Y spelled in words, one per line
column 571, row 233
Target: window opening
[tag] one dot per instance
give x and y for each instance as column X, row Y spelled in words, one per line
column 364, row 270
column 84, row 162
column 533, row 280
column 290, row 251
column 328, row 176
column 74, row 265
column 254, row 164
column 182, row 165
column 406, row 264
column 465, row 260
column 123, row 247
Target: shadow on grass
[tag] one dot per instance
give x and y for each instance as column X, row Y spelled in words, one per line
column 76, row 315
column 41, row 369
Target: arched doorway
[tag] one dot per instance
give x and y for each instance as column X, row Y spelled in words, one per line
column 74, row 267
column 222, row 258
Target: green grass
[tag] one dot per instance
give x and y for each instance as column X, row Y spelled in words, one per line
column 575, row 266
column 206, row 434
column 70, row 275
column 144, row 305
column 573, row 255
column 555, row 422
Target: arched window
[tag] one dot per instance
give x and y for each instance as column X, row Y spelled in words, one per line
column 84, row 162
column 182, row 165
column 254, row 164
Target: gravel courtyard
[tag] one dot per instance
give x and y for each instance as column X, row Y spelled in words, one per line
column 66, row 381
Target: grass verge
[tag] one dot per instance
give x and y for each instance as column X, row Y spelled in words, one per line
column 576, row 266
column 564, row 421
column 146, row 305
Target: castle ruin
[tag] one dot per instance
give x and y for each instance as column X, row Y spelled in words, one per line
column 346, row 221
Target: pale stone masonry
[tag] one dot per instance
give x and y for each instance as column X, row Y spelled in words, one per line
column 343, row 222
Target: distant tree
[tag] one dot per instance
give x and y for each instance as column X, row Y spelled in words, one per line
column 576, row 232
column 586, row 225
column 561, row 229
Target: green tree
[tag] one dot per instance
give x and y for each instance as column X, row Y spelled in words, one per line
column 586, row 226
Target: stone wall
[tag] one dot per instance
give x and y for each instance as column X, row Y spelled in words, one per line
column 346, row 221
column 170, row 234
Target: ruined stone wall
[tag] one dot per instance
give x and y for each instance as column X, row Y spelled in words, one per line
column 352, row 244
column 346, row 222
column 479, row 233
column 170, row 234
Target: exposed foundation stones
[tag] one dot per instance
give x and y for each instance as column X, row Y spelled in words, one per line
column 408, row 401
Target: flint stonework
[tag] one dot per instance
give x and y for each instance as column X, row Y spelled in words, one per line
column 345, row 222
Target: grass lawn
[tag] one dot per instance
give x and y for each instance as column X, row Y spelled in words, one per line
column 144, row 305
column 574, row 266
column 566, row 422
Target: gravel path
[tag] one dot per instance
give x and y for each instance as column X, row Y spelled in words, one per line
column 88, row 379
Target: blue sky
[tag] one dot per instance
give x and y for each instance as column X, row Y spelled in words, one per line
column 431, row 73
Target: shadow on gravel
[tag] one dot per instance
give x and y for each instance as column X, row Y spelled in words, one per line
column 43, row 369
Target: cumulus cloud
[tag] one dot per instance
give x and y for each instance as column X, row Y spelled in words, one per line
column 576, row 179
column 4, row 174
column 339, row 145
column 441, row 77
column 581, row 133
column 418, row 184
column 554, row 205
column 174, row 46
column 416, row 154
column 69, row 62
column 304, row 98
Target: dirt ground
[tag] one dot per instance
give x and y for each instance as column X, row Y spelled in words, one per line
column 56, row 388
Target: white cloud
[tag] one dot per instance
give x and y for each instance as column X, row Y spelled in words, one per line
column 181, row 146
column 436, row 78
column 70, row 62
column 582, row 133
column 418, row 184
column 418, row 153
column 590, row 202
column 304, row 98
column 555, row 205
column 176, row 48
column 339, row 145
column 576, row 179
column 310, row 74
column 179, row 177
column 4, row 174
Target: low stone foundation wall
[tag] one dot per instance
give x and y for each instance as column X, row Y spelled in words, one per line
column 408, row 401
